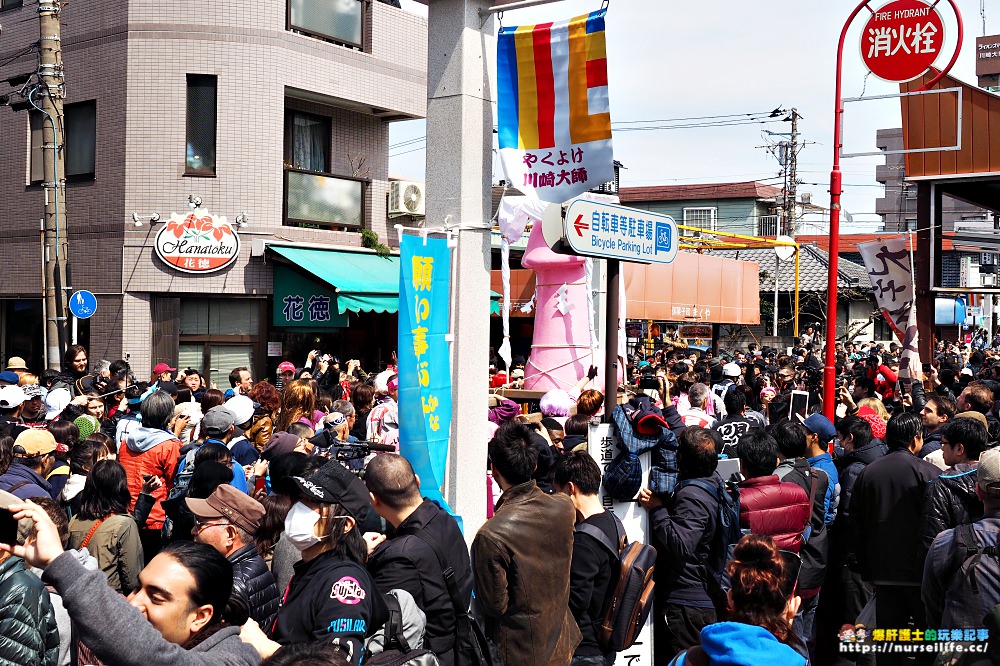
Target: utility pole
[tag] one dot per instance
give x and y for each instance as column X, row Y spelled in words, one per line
column 47, row 96
column 792, row 170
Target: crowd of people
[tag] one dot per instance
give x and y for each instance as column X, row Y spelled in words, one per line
column 170, row 521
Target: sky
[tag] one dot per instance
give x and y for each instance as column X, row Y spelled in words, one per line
column 677, row 60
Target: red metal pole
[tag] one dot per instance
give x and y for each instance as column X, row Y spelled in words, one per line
column 836, row 189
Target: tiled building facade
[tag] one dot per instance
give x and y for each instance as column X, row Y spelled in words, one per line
column 135, row 60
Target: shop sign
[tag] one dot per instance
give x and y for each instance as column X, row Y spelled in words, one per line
column 902, row 39
column 198, row 242
column 694, row 331
column 301, row 303
column 988, row 55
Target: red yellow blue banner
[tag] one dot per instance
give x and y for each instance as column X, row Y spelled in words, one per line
column 553, row 114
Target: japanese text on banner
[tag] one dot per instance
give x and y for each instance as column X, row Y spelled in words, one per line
column 424, row 363
column 888, row 266
column 553, row 113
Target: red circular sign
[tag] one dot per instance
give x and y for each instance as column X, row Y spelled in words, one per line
column 902, row 39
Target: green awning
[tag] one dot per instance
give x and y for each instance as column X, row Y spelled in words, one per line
column 363, row 282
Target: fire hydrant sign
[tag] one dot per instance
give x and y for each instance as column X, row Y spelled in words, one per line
column 615, row 232
column 198, row 242
column 902, row 39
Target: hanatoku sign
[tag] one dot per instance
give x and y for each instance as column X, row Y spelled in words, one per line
column 902, row 39
column 198, row 242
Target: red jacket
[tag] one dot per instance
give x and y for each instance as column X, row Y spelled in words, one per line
column 774, row 508
column 886, row 386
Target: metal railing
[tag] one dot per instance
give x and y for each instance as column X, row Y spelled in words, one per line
column 767, row 225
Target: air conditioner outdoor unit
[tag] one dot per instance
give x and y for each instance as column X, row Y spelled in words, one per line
column 406, row 198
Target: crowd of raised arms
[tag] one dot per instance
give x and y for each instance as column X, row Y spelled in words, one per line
column 161, row 519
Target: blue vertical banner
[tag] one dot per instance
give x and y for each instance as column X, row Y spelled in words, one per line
column 424, row 360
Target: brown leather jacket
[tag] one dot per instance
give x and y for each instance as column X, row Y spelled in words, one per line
column 521, row 559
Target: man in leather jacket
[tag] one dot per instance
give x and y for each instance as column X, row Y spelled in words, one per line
column 521, row 559
column 227, row 521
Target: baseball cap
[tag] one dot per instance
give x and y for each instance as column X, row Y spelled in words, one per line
column 11, row 396
column 731, row 370
column 8, row 377
column 241, row 407
column 162, row 367
column 335, row 419
column 988, row 472
column 818, row 424
column 34, row 443
column 55, row 402
column 218, row 421
column 286, row 366
column 168, row 387
column 16, row 363
column 234, row 505
column 34, row 391
column 333, row 484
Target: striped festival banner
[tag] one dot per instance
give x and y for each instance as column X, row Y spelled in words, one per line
column 554, row 119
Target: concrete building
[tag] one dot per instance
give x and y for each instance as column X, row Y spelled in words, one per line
column 276, row 110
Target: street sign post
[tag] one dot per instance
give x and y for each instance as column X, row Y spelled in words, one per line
column 82, row 305
column 615, row 232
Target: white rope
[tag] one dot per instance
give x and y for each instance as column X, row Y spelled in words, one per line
column 588, row 277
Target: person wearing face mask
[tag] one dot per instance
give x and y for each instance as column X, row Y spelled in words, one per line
column 181, row 613
column 332, row 597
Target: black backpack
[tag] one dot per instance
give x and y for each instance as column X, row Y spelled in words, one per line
column 727, row 534
column 632, row 597
column 397, row 651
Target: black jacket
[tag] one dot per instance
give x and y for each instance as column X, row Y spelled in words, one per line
column 815, row 551
column 254, row 583
column 591, row 576
column 950, row 501
column 331, row 598
column 683, row 530
column 886, row 507
column 850, row 467
column 407, row 563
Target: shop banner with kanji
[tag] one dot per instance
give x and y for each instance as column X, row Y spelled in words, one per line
column 424, row 361
column 553, row 114
column 888, row 266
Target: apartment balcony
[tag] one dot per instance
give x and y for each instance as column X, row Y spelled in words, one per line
column 320, row 201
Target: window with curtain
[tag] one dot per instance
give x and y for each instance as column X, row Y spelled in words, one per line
column 307, row 142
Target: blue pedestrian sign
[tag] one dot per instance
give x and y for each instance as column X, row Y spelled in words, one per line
column 83, row 304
